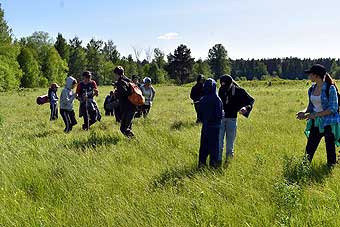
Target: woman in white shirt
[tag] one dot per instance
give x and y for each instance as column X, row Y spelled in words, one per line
column 149, row 94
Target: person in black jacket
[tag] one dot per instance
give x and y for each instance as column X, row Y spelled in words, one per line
column 127, row 109
column 235, row 100
column 108, row 104
column 197, row 93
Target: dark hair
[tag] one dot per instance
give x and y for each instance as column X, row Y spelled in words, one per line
column 119, row 70
column 87, row 74
column 111, row 93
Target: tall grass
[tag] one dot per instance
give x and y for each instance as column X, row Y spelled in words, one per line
column 100, row 178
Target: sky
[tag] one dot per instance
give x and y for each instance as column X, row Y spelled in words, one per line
column 247, row 28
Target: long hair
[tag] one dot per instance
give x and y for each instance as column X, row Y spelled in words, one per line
column 330, row 81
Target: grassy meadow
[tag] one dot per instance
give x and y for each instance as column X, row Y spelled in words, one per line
column 100, row 178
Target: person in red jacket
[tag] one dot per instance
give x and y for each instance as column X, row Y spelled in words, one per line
column 88, row 109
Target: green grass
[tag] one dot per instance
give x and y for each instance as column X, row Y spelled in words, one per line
column 100, row 178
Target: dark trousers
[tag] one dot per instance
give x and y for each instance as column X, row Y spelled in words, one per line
column 145, row 110
column 314, row 140
column 109, row 112
column 196, row 105
column 209, row 145
column 117, row 113
column 69, row 119
column 54, row 111
column 90, row 113
column 126, row 122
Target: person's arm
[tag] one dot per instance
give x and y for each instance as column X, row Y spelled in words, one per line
column 153, row 93
column 192, row 93
column 78, row 89
column 303, row 114
column 95, row 90
column 248, row 102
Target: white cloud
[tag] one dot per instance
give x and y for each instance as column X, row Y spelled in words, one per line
column 169, row 36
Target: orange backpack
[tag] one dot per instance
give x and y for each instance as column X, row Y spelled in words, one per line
column 136, row 97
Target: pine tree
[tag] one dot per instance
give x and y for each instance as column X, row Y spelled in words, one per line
column 180, row 65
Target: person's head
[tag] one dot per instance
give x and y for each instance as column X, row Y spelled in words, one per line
column 135, row 79
column 147, row 81
column 316, row 73
column 54, row 86
column 226, row 81
column 71, row 82
column 209, row 86
column 119, row 71
column 200, row 78
column 87, row 75
column 111, row 93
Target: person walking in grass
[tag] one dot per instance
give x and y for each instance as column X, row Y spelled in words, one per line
column 88, row 109
column 53, row 98
column 197, row 93
column 149, row 94
column 127, row 109
column 66, row 104
column 108, row 104
column 322, row 113
column 210, row 112
column 235, row 100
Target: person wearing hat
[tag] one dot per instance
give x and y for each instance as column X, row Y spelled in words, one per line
column 127, row 109
column 235, row 100
column 321, row 113
column 53, row 98
column 88, row 109
column 197, row 93
column 149, row 94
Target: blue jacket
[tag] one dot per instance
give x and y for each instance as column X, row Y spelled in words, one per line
column 328, row 103
column 210, row 109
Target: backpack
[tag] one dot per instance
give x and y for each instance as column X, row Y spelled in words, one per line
column 136, row 97
column 337, row 93
column 42, row 99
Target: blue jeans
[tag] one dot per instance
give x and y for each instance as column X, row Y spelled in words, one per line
column 228, row 129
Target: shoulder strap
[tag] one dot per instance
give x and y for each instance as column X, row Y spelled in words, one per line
column 327, row 90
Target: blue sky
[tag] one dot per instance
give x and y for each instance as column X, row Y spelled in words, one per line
column 248, row 29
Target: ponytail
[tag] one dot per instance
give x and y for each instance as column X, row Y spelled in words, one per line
column 329, row 80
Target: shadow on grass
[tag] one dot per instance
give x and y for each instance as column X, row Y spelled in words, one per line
column 43, row 134
column 95, row 140
column 179, row 125
column 175, row 177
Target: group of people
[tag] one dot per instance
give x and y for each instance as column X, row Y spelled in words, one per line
column 218, row 114
column 217, row 111
column 117, row 103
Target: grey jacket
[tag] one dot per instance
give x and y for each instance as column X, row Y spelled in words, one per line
column 67, row 95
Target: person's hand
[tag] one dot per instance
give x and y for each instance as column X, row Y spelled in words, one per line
column 243, row 110
column 311, row 116
column 96, row 92
column 301, row 115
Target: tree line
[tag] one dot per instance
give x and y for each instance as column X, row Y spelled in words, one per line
column 38, row 60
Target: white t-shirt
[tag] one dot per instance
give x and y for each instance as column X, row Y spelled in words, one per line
column 316, row 101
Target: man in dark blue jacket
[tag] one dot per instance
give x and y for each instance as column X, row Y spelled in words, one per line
column 210, row 112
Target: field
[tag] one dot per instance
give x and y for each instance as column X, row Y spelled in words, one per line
column 100, row 178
